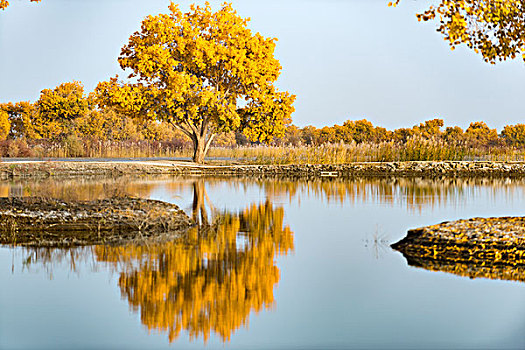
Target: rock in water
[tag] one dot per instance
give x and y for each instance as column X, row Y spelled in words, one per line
column 52, row 222
column 478, row 247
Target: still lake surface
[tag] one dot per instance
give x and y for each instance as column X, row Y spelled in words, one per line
column 288, row 264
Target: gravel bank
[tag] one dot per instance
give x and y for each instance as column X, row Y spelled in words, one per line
column 115, row 168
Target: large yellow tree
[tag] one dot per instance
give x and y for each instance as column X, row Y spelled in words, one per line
column 493, row 28
column 204, row 72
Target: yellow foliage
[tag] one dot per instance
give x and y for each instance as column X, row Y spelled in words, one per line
column 478, row 133
column 65, row 102
column 453, row 134
column 23, row 118
column 363, row 131
column 92, row 124
column 514, row 134
column 5, row 124
column 58, row 108
column 494, row 28
column 225, row 139
column 191, row 69
column 429, row 129
column 158, row 131
column 107, row 125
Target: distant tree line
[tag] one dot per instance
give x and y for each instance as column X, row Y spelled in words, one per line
column 478, row 134
column 67, row 112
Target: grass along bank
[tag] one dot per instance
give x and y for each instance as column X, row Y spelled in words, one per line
column 414, row 149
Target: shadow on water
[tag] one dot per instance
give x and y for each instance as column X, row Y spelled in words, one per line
column 207, row 281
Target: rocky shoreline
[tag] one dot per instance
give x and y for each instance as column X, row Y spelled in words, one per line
column 478, row 247
column 43, row 169
column 42, row 222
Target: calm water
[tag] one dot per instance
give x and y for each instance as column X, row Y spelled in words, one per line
column 288, row 265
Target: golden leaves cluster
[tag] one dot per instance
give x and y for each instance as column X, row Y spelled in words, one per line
column 514, row 134
column 52, row 115
column 66, row 110
column 493, row 28
column 23, row 119
column 58, row 107
column 5, row 124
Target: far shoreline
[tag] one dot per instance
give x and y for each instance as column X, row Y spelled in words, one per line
column 32, row 168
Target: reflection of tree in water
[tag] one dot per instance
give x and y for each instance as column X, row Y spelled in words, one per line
column 48, row 258
column 209, row 280
column 200, row 199
column 413, row 193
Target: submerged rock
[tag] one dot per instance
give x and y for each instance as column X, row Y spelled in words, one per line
column 52, row 222
column 478, row 247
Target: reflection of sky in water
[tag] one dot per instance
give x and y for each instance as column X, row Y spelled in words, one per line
column 334, row 290
column 241, row 241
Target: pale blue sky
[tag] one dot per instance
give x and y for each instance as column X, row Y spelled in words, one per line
column 344, row 59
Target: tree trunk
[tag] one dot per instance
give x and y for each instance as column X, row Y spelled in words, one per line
column 200, row 147
column 198, row 151
column 198, row 135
